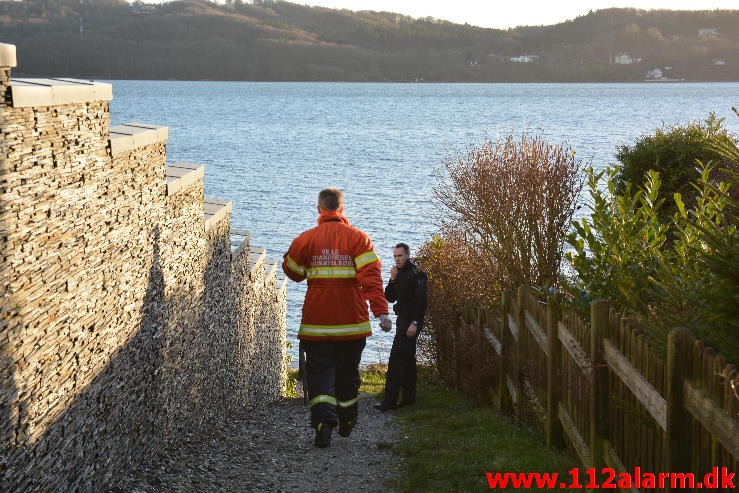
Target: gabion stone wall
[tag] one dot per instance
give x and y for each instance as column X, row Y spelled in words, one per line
column 126, row 313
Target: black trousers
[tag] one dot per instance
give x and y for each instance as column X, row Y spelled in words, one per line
column 332, row 375
column 401, row 369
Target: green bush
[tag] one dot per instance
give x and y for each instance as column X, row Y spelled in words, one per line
column 674, row 151
column 621, row 253
column 617, row 249
column 700, row 289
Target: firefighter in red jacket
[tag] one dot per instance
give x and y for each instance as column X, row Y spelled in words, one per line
column 343, row 273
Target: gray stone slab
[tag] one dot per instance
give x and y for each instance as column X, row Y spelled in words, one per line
column 7, row 55
column 215, row 212
column 185, row 165
column 28, row 92
column 76, row 81
column 103, row 91
column 241, row 247
column 188, row 175
column 162, row 131
column 173, row 185
column 177, row 172
column 211, row 208
column 256, row 259
column 141, row 136
column 24, row 95
column 270, row 269
column 71, row 93
column 210, row 200
column 120, row 143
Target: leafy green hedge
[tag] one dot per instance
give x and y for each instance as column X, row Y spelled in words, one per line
column 674, row 152
column 622, row 253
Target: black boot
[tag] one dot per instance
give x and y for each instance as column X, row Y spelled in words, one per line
column 345, row 428
column 323, row 435
column 381, row 406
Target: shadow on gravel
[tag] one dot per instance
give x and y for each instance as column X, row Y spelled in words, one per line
column 271, row 449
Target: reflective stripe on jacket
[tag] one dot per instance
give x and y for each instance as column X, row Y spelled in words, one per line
column 343, row 273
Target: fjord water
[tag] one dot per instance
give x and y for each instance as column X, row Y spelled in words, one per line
column 270, row 147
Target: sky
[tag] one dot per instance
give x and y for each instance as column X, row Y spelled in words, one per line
column 511, row 13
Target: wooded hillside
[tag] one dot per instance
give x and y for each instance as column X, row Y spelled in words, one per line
column 266, row 40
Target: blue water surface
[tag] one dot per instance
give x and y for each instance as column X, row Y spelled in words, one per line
column 270, row 147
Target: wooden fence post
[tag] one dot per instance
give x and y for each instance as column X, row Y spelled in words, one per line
column 554, row 375
column 480, row 328
column 504, row 398
column 462, row 325
column 519, row 349
column 678, row 439
column 480, row 336
column 454, row 360
column 599, row 320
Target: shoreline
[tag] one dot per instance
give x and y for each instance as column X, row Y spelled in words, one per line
column 17, row 75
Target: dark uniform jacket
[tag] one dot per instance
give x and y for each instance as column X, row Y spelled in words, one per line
column 408, row 292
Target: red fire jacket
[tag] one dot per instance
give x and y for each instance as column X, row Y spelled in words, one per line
column 343, row 273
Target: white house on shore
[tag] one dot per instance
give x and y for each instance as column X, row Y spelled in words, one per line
column 524, row 58
column 708, row 31
column 625, row 59
column 655, row 73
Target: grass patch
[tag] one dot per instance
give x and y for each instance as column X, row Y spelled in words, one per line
column 448, row 444
column 292, row 387
column 373, row 379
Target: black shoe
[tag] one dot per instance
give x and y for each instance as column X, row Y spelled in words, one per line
column 346, row 427
column 382, row 407
column 323, row 435
column 402, row 404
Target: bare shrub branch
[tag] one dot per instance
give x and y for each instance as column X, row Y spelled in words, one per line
column 514, row 200
column 507, row 207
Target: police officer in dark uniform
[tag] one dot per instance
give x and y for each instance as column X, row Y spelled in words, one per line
column 407, row 289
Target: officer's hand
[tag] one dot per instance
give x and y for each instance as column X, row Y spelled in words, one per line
column 393, row 273
column 385, row 323
column 411, row 332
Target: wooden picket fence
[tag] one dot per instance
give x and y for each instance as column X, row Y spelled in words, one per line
column 600, row 390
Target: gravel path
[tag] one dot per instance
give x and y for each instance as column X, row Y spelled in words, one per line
column 271, row 450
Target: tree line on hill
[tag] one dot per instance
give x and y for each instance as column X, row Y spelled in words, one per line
column 269, row 40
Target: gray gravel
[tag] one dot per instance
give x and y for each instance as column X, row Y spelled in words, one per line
column 271, row 450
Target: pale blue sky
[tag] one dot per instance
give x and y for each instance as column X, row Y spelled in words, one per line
column 506, row 13
column 511, row 13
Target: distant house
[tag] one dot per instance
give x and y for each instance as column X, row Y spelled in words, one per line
column 625, row 59
column 708, row 31
column 661, row 75
column 718, row 61
column 655, row 73
column 143, row 8
column 524, row 58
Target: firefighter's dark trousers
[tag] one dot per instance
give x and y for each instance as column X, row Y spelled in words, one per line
column 401, row 369
column 332, row 374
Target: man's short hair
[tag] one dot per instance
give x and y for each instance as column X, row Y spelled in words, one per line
column 330, row 199
column 404, row 247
